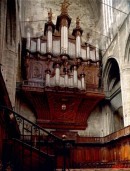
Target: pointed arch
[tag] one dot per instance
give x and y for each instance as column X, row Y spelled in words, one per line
column 111, row 74
column 112, row 87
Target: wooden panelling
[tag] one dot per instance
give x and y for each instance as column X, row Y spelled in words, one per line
column 114, row 154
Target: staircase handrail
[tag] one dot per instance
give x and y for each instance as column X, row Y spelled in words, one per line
column 35, row 125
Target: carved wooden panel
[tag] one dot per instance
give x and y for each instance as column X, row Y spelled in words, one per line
column 91, row 74
column 63, row 108
column 37, row 71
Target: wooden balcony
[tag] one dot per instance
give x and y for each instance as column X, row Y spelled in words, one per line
column 61, row 107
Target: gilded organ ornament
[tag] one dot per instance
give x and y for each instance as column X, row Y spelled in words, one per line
column 64, row 7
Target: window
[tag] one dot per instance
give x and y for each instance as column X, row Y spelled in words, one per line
column 11, row 23
column 107, row 15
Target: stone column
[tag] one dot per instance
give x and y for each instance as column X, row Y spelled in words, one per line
column 125, row 87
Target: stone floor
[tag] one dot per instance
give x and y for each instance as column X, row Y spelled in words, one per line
column 103, row 169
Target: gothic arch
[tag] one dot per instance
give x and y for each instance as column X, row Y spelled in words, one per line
column 111, row 77
column 111, row 74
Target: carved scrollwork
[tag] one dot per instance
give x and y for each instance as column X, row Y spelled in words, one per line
column 37, row 71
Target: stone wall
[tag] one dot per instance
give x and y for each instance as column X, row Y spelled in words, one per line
column 9, row 40
column 117, row 50
column 102, row 121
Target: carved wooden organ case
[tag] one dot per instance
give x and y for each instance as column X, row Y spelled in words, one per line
column 61, row 74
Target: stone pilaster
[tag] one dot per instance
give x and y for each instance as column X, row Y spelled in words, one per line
column 125, row 87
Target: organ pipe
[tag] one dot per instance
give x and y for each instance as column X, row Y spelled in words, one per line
column 49, row 39
column 28, row 39
column 64, row 39
column 78, row 46
column 47, row 77
column 88, row 52
column 83, row 81
column 38, row 44
column 57, row 74
column 66, row 79
column 75, row 76
column 77, row 32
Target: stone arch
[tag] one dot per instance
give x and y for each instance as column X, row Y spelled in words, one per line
column 112, row 87
column 111, row 74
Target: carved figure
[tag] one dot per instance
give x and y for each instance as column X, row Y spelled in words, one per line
column 64, row 6
column 50, row 15
column 77, row 22
column 36, row 72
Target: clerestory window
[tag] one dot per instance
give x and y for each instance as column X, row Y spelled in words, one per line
column 107, row 15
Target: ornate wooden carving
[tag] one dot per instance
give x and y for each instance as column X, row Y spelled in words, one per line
column 37, row 71
column 56, row 102
column 92, row 75
column 62, row 110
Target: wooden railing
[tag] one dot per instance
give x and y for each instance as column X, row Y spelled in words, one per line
column 36, row 85
column 113, row 136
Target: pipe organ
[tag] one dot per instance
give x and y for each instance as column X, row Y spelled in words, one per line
column 60, row 62
column 58, row 46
